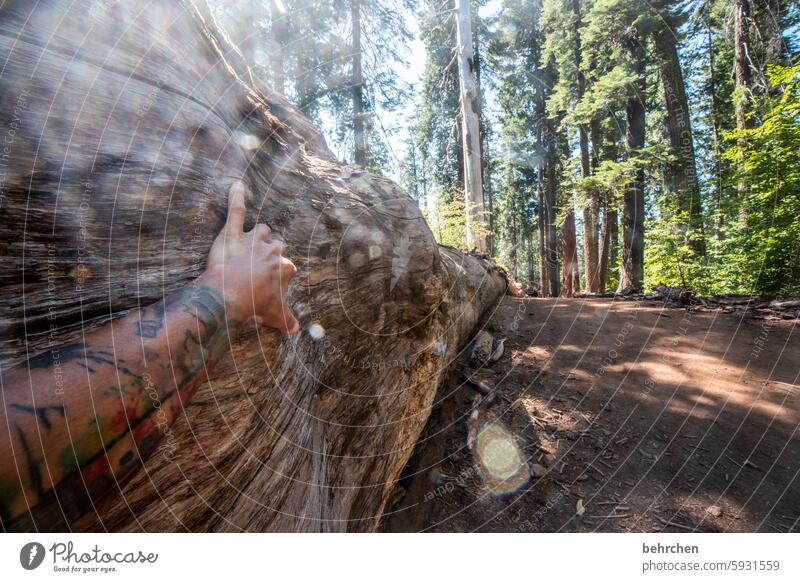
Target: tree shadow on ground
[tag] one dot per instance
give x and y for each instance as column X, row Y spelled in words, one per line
column 654, row 418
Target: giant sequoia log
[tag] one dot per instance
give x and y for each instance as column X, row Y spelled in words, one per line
column 124, row 124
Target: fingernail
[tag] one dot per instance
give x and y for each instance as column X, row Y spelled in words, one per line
column 237, row 188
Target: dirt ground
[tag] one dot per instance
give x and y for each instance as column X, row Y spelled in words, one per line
column 654, row 418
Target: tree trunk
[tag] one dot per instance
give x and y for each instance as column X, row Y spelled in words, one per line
column 591, row 207
column 544, row 285
column 571, row 279
column 605, row 233
column 571, row 283
column 111, row 205
column 531, row 270
column 613, row 226
column 681, row 172
column 631, row 277
column 486, row 169
column 719, row 215
column 591, row 217
column 741, row 65
column 550, row 206
column 280, row 32
column 605, row 248
column 470, row 128
column 514, row 252
column 359, row 131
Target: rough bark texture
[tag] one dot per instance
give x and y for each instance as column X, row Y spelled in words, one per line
column 631, row 276
column 541, row 220
column 591, row 209
column 604, row 240
column 550, row 212
column 680, row 172
column 569, row 254
column 130, row 123
column 470, row 128
column 605, row 247
column 486, row 166
column 741, row 66
column 359, row 129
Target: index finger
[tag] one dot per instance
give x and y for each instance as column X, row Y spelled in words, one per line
column 236, row 208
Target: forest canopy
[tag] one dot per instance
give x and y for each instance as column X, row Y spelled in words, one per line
column 623, row 143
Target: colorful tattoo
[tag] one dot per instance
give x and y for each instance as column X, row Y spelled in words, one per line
column 144, row 407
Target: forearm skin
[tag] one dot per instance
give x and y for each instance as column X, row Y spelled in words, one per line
column 123, row 386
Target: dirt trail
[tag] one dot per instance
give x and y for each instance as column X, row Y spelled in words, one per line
column 655, row 418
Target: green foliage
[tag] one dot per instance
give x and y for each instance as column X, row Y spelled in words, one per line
column 447, row 221
column 761, row 250
column 438, row 135
column 669, row 256
column 313, row 39
column 533, row 58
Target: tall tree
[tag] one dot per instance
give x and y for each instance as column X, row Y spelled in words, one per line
column 480, row 30
column 357, row 87
column 742, row 72
column 438, row 132
column 561, row 60
column 591, row 207
column 470, row 127
column 680, row 172
column 632, row 269
column 615, row 35
column 279, row 38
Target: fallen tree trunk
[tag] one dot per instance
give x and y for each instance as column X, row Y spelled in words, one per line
column 125, row 124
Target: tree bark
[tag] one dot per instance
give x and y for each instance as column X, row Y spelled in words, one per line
column 613, row 226
column 280, row 31
column 632, row 269
column 605, row 248
column 544, row 285
column 550, row 211
column 112, row 204
column 359, row 131
column 681, row 172
column 741, row 65
column 605, row 232
column 513, row 254
column 530, row 261
column 719, row 215
column 591, row 208
column 571, row 279
column 470, row 128
column 571, row 283
column 486, row 168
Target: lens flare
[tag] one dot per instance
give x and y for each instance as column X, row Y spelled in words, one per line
column 500, row 460
column 316, row 331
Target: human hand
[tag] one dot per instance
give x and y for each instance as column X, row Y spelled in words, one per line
column 248, row 269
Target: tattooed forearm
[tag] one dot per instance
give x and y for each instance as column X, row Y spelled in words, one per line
column 80, row 354
column 64, row 447
column 203, row 343
column 33, row 466
column 120, row 403
column 41, row 412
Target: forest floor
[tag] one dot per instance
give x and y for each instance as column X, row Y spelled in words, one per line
column 655, row 418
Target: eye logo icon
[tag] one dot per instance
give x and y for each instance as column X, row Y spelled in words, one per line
column 31, row 555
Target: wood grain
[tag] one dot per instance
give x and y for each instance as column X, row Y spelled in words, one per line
column 123, row 125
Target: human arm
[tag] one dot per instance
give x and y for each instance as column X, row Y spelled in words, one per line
column 80, row 418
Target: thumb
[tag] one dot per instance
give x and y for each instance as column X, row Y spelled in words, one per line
column 291, row 325
column 236, row 209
